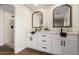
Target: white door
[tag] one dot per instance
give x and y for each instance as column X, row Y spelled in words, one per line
column 1, row 26
column 8, row 30
column 70, row 47
column 56, row 44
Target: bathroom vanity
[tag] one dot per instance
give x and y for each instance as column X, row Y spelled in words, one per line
column 61, row 42
column 53, row 43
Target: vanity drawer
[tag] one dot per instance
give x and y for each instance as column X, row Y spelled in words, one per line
column 45, row 48
column 45, row 41
column 45, row 36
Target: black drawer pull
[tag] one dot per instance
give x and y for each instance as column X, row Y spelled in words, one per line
column 43, row 35
column 64, row 43
column 43, row 40
column 61, row 42
column 31, row 39
column 44, row 47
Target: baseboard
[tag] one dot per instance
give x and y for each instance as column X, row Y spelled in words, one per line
column 9, row 45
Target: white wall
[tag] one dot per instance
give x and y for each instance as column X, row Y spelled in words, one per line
column 77, row 24
column 75, row 17
column 48, row 17
column 1, row 26
column 22, row 24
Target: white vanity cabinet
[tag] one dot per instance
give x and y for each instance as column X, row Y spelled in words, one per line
column 53, row 43
column 39, row 41
column 32, row 41
column 65, row 45
column 44, row 42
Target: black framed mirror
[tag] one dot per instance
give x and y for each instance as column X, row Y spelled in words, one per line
column 62, row 16
column 37, row 19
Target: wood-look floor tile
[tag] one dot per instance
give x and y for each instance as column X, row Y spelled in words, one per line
column 4, row 50
column 29, row 51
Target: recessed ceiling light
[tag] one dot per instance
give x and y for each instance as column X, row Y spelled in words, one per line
column 36, row 4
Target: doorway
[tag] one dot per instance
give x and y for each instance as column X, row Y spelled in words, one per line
column 7, row 29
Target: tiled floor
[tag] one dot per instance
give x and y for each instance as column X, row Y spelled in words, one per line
column 4, row 50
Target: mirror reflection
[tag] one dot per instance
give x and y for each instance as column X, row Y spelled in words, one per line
column 37, row 19
column 62, row 16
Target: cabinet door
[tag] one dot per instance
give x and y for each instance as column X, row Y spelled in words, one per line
column 56, row 44
column 70, row 47
column 33, row 42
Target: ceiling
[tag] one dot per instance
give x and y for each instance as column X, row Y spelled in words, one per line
column 7, row 7
column 33, row 7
